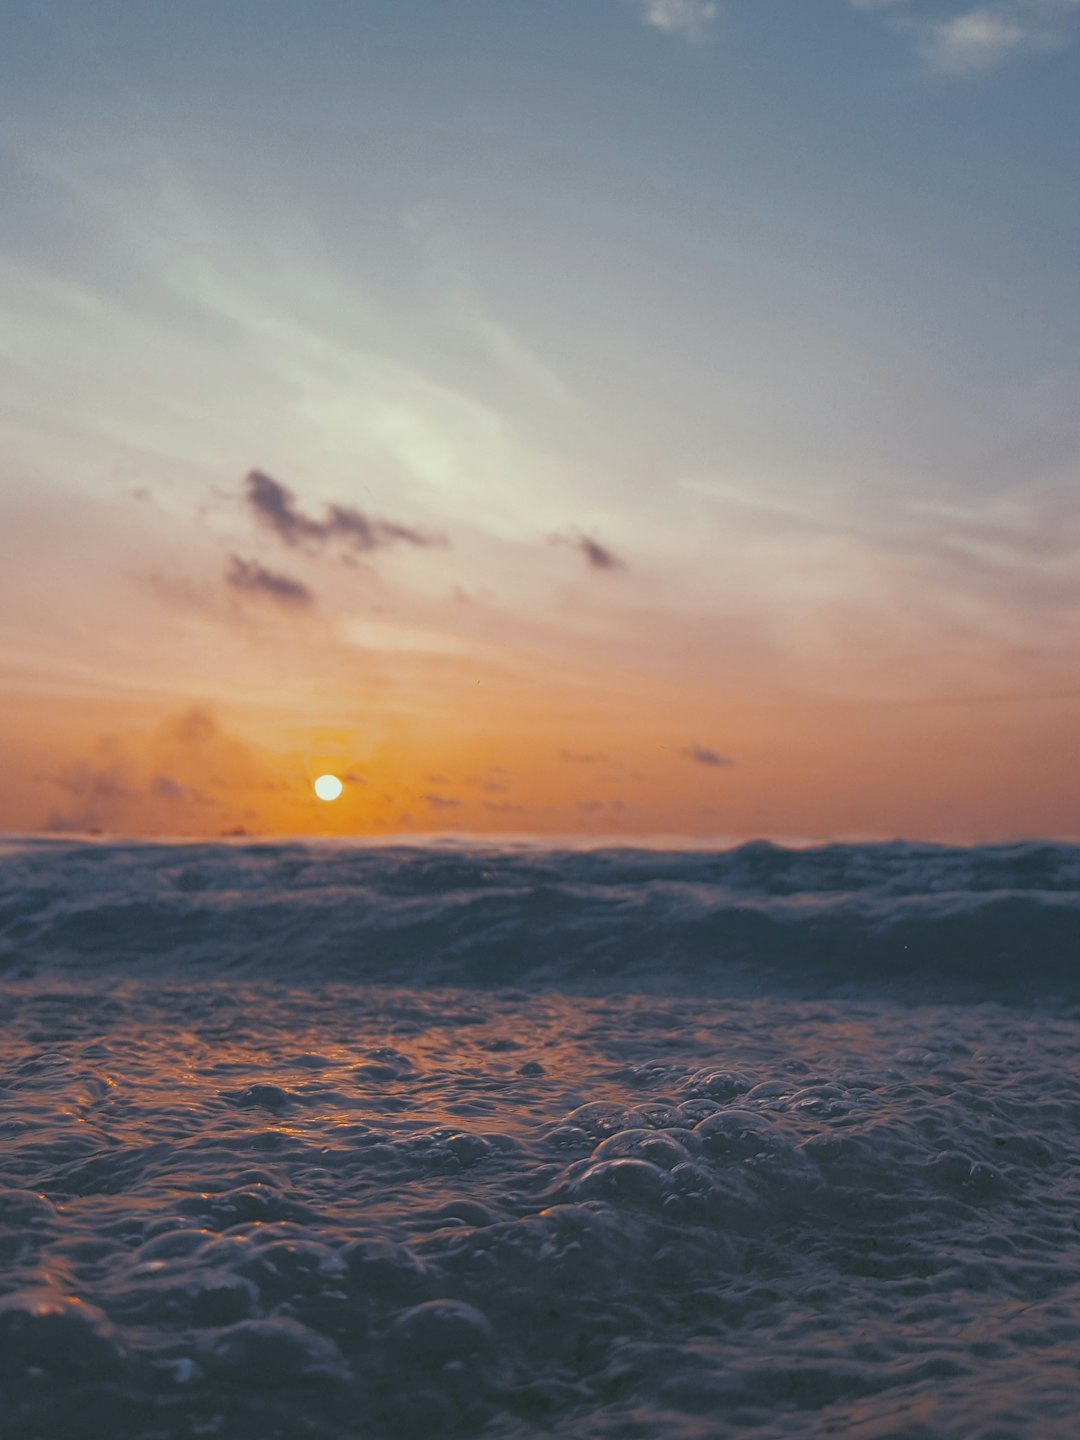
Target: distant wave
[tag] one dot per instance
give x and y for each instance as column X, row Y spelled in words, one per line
column 917, row 919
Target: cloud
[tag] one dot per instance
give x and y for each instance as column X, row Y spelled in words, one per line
column 980, row 38
column 593, row 807
column 493, row 780
column 166, row 787
column 274, row 505
column 186, row 776
column 192, row 729
column 100, row 789
column 687, row 18
column 440, row 802
column 581, row 757
column 703, row 755
column 254, row 579
column 597, row 556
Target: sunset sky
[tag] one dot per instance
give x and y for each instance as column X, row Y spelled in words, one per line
column 602, row 417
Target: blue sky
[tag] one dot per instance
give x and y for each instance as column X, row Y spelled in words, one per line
column 777, row 300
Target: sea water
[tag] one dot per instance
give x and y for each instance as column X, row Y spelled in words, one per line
column 318, row 1139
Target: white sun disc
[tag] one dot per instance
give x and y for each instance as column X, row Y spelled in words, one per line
column 328, row 787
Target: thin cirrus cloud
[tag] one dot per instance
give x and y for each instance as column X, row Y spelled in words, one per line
column 274, row 505
column 251, row 578
column 704, row 755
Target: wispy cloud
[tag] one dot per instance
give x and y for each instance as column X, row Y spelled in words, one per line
column 274, row 505
column 703, row 755
column 251, row 578
column 687, row 18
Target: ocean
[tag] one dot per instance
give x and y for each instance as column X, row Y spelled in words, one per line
column 334, row 1139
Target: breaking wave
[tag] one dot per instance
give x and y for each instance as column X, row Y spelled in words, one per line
column 915, row 918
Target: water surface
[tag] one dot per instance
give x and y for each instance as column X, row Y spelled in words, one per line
column 304, row 1140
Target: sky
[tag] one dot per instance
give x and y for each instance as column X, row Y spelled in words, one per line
column 557, row 417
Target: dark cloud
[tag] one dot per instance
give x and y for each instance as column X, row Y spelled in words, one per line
column 254, row 579
column 440, row 802
column 493, row 779
column 597, row 556
column 274, row 505
column 581, row 757
column 702, row 755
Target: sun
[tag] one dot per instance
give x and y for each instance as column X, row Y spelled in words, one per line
column 328, row 787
